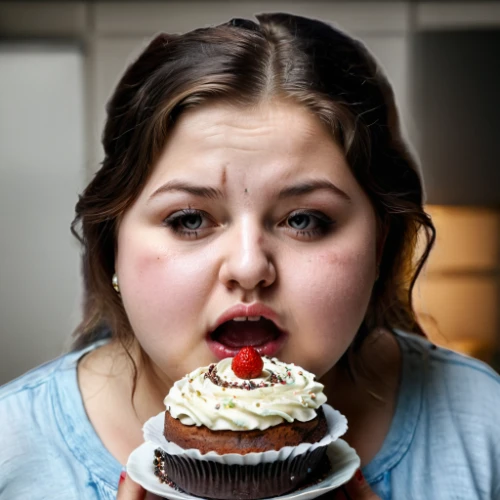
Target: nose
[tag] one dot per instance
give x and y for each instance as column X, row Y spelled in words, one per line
column 247, row 262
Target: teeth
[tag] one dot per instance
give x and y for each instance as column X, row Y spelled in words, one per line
column 247, row 318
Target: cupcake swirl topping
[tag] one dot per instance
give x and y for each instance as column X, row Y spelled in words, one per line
column 215, row 397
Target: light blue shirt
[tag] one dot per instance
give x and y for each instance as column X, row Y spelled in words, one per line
column 444, row 442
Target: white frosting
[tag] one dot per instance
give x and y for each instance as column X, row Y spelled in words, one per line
column 197, row 400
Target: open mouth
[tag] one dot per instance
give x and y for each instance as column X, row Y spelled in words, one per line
column 256, row 331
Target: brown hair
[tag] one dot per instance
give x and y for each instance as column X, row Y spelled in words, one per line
column 284, row 56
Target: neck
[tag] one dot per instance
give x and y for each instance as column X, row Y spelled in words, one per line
column 151, row 388
column 367, row 394
column 115, row 408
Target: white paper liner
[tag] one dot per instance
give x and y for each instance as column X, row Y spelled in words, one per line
column 337, row 426
column 343, row 459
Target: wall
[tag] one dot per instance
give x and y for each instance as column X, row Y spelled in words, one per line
column 41, row 172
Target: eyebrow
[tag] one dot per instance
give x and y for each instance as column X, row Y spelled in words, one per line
column 215, row 193
column 309, row 187
column 201, row 191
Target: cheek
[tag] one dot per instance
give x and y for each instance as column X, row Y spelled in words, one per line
column 342, row 274
column 333, row 290
column 160, row 289
column 336, row 287
column 164, row 292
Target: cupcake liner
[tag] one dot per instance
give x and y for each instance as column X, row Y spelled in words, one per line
column 214, row 480
column 337, row 426
column 343, row 462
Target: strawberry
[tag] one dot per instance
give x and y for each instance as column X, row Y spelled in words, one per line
column 247, row 363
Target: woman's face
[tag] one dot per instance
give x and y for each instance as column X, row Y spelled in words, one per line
column 251, row 231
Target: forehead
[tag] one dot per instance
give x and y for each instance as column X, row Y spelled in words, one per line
column 214, row 120
column 274, row 133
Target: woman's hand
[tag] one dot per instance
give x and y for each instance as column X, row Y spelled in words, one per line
column 356, row 489
column 128, row 490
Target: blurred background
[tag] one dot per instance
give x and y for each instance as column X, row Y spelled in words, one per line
column 59, row 62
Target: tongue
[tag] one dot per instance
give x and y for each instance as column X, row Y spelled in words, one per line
column 246, row 333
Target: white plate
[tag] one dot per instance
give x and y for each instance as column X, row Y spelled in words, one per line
column 343, row 458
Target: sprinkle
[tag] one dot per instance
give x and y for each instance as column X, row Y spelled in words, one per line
column 313, row 396
column 217, row 406
column 190, row 380
column 198, row 393
column 258, row 405
column 231, row 404
column 300, row 373
column 159, row 469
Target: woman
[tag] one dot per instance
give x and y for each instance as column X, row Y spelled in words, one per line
column 256, row 166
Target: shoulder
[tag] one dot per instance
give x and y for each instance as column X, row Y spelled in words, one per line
column 21, row 393
column 42, row 378
column 24, row 389
column 34, row 434
column 27, row 403
column 459, row 370
column 444, row 440
column 459, row 394
column 27, row 426
column 451, row 407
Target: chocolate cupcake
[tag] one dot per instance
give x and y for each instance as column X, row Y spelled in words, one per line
column 255, row 437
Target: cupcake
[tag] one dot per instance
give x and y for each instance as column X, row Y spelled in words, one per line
column 246, row 428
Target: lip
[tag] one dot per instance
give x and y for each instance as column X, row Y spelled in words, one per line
column 270, row 348
column 239, row 310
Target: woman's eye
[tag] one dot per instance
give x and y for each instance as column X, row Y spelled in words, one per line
column 309, row 224
column 193, row 221
column 299, row 221
column 188, row 222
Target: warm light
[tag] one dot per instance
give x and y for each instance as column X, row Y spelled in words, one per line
column 457, row 295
